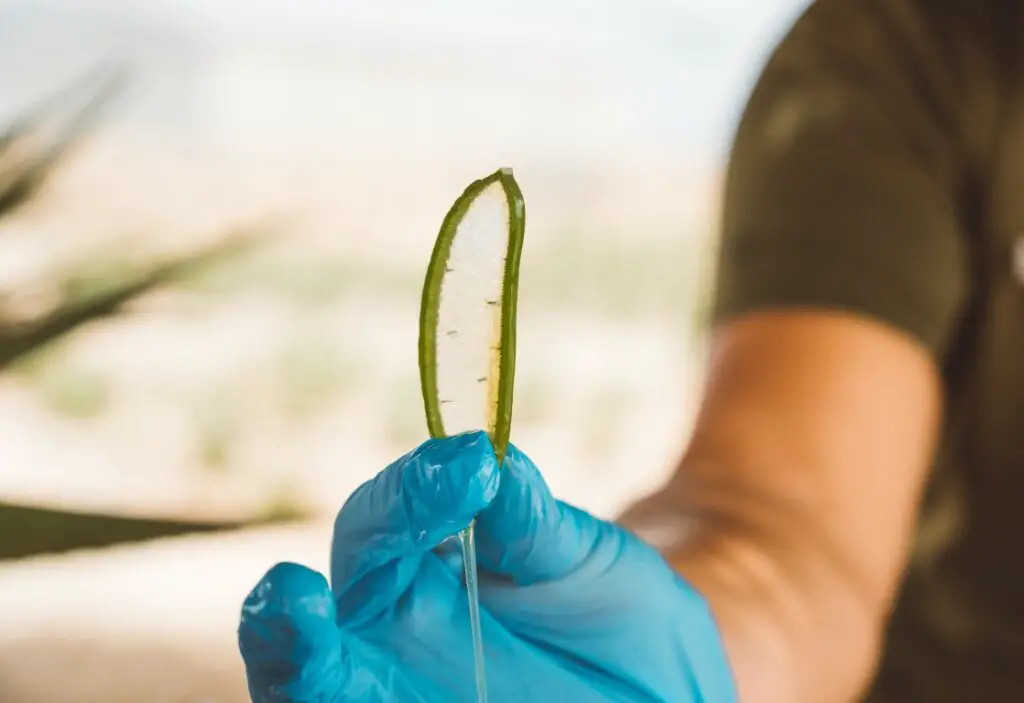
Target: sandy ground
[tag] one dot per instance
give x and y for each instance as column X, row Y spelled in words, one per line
column 150, row 623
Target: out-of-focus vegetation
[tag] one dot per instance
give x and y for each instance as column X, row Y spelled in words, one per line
column 103, row 286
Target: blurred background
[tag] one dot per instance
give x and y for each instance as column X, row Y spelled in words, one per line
column 215, row 216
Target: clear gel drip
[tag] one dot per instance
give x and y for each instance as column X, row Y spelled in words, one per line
column 469, row 561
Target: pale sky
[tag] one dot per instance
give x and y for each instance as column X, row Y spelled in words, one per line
column 235, row 73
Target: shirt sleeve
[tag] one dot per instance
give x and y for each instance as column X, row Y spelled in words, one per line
column 844, row 183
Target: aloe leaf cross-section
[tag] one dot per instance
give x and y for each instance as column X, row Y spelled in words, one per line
column 467, row 342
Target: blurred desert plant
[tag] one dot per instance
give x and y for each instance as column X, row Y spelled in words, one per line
column 94, row 290
column 34, row 144
column 32, row 149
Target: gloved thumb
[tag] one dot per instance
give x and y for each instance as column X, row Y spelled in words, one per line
column 290, row 641
column 526, row 534
column 388, row 526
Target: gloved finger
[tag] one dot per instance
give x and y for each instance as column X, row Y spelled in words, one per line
column 290, row 641
column 408, row 509
column 528, row 535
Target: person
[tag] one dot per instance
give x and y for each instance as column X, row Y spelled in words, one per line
column 843, row 524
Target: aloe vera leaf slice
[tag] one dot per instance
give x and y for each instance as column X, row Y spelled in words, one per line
column 467, row 343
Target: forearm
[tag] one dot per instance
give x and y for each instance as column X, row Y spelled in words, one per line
column 796, row 624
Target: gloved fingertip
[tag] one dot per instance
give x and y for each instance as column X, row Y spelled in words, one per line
column 524, row 532
column 288, row 637
column 289, row 589
column 524, row 503
column 455, row 476
column 409, row 508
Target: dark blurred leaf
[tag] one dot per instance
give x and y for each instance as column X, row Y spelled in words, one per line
column 23, row 338
column 33, row 147
column 31, row 530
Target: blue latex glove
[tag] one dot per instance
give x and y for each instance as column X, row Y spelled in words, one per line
column 574, row 609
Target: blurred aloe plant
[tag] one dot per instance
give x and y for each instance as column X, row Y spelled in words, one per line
column 37, row 140
column 32, row 149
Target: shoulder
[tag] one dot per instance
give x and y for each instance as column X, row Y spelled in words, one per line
column 848, row 177
column 927, row 68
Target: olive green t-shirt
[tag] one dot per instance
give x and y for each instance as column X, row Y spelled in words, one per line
column 879, row 169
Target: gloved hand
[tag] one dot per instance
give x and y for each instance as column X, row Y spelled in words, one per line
column 574, row 609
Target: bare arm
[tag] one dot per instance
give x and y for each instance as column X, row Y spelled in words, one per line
column 842, row 280
column 798, row 492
